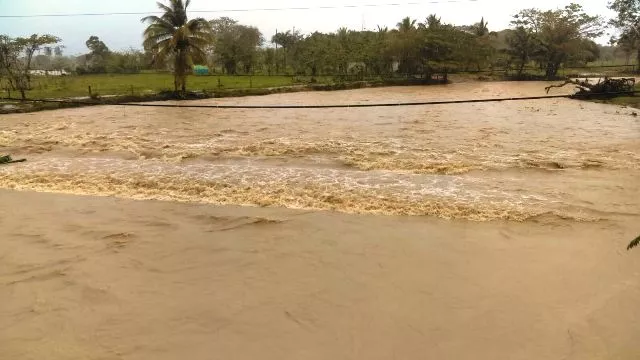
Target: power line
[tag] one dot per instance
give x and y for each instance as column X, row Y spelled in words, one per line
column 246, row 10
column 331, row 106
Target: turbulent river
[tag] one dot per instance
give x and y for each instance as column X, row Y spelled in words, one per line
column 539, row 160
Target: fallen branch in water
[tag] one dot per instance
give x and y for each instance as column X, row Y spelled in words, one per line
column 603, row 86
column 634, row 243
column 8, row 160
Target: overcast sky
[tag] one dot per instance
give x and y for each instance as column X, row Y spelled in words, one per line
column 124, row 31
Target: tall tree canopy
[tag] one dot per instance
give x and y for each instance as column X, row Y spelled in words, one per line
column 174, row 36
column 235, row 44
column 16, row 56
column 627, row 20
column 523, row 46
column 286, row 40
column 561, row 33
column 98, row 55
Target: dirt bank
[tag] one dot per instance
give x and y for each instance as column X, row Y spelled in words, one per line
column 98, row 278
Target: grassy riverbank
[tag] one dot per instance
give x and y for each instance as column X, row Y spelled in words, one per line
column 112, row 89
column 148, row 83
column 119, row 88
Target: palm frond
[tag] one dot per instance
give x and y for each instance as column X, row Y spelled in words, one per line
column 152, row 19
column 635, row 243
column 154, row 41
column 197, row 53
column 156, row 29
column 198, row 24
column 164, row 7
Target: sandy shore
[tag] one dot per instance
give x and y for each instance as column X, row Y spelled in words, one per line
column 104, row 278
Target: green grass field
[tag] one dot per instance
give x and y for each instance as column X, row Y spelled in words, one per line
column 140, row 84
column 148, row 83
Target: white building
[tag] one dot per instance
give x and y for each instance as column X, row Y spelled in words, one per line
column 48, row 72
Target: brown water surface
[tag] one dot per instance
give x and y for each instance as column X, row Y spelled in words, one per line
column 487, row 161
column 522, row 255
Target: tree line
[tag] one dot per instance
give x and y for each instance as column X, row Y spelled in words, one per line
column 545, row 39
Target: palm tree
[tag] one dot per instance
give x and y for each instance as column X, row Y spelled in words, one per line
column 433, row 22
column 287, row 40
column 174, row 36
column 481, row 28
column 406, row 25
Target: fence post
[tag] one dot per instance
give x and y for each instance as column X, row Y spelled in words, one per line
column 131, row 90
column 219, row 85
column 250, row 81
column 89, row 90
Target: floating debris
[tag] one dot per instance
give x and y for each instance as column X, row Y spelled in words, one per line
column 6, row 159
column 604, row 87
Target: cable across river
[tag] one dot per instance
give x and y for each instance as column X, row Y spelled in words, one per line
column 325, row 106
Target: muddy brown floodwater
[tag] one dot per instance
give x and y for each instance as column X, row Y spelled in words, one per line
column 468, row 231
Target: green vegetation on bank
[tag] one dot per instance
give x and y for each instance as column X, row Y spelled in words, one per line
column 147, row 83
column 541, row 44
column 539, row 41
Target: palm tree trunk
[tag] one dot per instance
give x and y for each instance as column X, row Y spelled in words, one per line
column 180, row 71
column 176, row 72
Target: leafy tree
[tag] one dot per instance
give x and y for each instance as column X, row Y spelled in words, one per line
column 314, row 53
column 98, row 56
column 481, row 28
column 481, row 51
column 433, row 22
column 561, row 33
column 628, row 22
column 58, row 50
column 407, row 25
column 522, row 47
column 174, row 36
column 96, row 46
column 438, row 47
column 130, row 61
column 587, row 52
column 627, row 43
column 16, row 56
column 406, row 46
column 287, row 40
column 379, row 57
column 269, row 59
column 235, row 44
